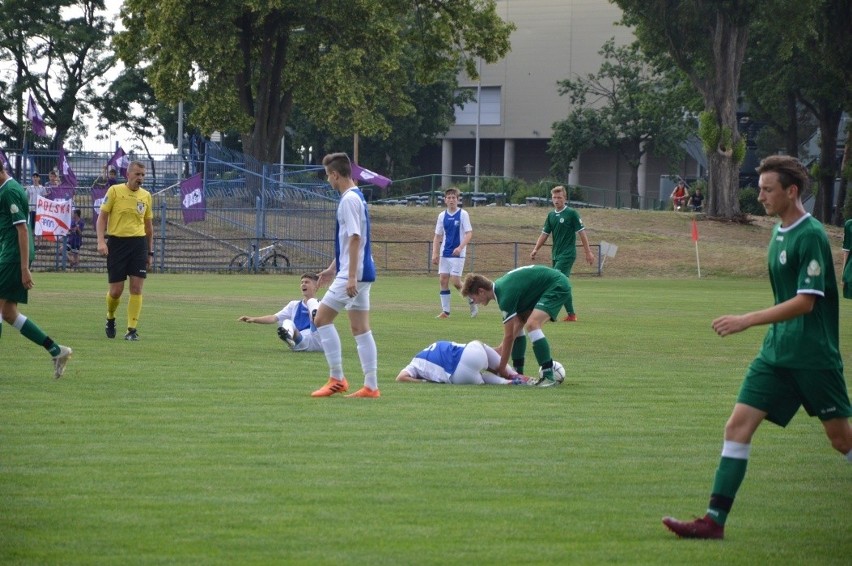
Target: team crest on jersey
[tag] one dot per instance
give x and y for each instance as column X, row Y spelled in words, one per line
column 14, row 208
column 782, row 257
column 561, row 220
column 140, row 206
column 814, row 269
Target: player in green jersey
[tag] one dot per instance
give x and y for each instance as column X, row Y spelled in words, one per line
column 564, row 223
column 528, row 297
column 799, row 363
column 16, row 254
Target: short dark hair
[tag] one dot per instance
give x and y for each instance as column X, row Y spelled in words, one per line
column 339, row 163
column 789, row 169
column 311, row 276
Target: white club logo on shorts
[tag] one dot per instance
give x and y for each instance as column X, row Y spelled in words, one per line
column 782, row 257
column 814, row 269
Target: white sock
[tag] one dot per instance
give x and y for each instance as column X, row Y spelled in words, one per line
column 445, row 301
column 19, row 321
column 333, row 351
column 369, row 358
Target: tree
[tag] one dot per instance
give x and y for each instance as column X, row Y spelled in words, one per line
column 59, row 50
column 810, row 69
column 706, row 39
column 245, row 64
column 625, row 106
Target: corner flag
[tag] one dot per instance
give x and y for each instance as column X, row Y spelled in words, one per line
column 695, row 239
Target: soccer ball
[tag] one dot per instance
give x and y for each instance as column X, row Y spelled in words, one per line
column 558, row 372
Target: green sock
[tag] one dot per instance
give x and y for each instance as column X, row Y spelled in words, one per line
column 35, row 334
column 569, row 304
column 519, row 351
column 729, row 476
column 541, row 349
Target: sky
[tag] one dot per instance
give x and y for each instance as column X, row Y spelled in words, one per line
column 123, row 137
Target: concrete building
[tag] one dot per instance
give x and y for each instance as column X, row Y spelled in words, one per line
column 554, row 40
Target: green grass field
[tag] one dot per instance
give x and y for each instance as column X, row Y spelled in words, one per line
column 201, row 444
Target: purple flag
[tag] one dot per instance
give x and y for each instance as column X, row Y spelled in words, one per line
column 34, row 116
column 68, row 182
column 192, row 201
column 119, row 161
column 368, row 176
column 5, row 161
column 98, row 194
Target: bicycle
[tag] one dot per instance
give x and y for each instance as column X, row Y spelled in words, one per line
column 267, row 257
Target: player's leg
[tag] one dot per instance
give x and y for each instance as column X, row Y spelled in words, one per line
column 472, row 363
column 456, row 272
column 137, row 271
column 332, row 303
column 359, row 323
column 116, row 275
column 540, row 344
column 766, row 393
column 444, row 281
column 565, row 265
column 31, row 331
column 825, row 396
column 839, row 432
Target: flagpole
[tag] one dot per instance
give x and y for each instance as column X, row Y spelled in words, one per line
column 697, row 260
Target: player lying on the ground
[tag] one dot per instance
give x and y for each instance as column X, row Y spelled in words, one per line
column 460, row 364
column 296, row 320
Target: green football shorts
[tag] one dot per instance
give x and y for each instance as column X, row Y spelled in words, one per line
column 11, row 288
column 554, row 298
column 781, row 391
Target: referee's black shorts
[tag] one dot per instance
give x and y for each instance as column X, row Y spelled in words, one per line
column 127, row 257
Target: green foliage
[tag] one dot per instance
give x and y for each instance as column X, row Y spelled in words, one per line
column 201, row 444
column 347, row 70
column 626, row 105
column 60, row 56
column 749, row 203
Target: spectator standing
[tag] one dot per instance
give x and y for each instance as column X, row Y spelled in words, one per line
column 75, row 238
column 35, row 190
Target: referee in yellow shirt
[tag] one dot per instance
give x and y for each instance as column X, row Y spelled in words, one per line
column 126, row 237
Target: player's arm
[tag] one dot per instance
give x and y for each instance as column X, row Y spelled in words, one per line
column 100, row 230
column 464, row 242
column 590, row 257
column 436, row 248
column 801, row 304
column 352, row 281
column 149, row 236
column 24, row 251
column 540, row 242
column 268, row 319
column 406, row 377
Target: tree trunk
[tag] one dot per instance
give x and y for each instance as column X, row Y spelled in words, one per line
column 720, row 92
column 840, row 213
column 791, row 133
column 829, row 123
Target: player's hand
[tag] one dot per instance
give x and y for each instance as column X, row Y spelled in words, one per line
column 590, row 257
column 27, row 278
column 434, row 260
column 457, row 252
column 323, row 277
column 729, row 324
column 102, row 249
column 532, row 254
column 243, row 319
column 351, row 288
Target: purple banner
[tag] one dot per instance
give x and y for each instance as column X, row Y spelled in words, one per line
column 192, row 201
column 119, row 161
column 98, row 194
column 5, row 161
column 368, row 176
column 34, row 116
column 68, row 182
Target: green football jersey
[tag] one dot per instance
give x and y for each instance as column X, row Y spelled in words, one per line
column 800, row 262
column 562, row 227
column 14, row 209
column 521, row 289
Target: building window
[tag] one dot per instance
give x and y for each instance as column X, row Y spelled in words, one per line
column 490, row 112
